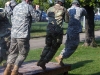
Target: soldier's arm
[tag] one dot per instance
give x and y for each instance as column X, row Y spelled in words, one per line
column 33, row 12
column 8, row 10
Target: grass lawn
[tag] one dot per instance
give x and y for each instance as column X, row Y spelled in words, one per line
column 38, row 29
column 85, row 60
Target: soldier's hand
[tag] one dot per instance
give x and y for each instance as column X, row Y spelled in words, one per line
column 7, row 3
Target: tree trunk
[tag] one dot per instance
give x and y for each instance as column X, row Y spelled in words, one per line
column 89, row 28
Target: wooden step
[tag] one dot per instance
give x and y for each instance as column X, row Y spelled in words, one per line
column 52, row 68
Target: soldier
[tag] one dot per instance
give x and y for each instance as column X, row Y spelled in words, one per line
column 5, row 22
column 20, row 36
column 4, row 35
column 56, row 15
column 74, row 28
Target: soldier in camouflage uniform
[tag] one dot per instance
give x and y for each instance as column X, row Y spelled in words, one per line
column 56, row 15
column 6, row 21
column 20, row 36
column 74, row 28
column 4, row 35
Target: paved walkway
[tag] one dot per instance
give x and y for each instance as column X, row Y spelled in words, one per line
column 40, row 42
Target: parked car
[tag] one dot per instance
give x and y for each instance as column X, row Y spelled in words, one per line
column 1, row 9
column 44, row 16
column 97, row 17
column 40, row 16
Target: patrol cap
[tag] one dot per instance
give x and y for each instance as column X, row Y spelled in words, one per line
column 75, row 2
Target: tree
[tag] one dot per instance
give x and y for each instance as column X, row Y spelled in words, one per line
column 89, row 5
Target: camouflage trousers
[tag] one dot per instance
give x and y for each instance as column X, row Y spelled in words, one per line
column 53, row 41
column 4, row 48
column 70, row 45
column 19, row 49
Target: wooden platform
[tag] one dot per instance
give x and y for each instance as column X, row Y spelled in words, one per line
column 30, row 68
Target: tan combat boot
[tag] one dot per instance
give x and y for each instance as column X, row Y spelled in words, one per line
column 7, row 71
column 15, row 70
column 59, row 59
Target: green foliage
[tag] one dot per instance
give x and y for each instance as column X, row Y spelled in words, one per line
column 44, row 3
column 86, row 2
column 18, row 1
column 36, row 2
column 1, row 2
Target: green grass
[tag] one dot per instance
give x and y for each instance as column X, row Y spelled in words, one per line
column 85, row 60
column 38, row 29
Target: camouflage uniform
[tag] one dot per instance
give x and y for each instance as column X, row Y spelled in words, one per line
column 56, row 16
column 4, row 36
column 20, row 33
column 74, row 28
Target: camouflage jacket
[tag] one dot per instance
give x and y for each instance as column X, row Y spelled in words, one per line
column 56, row 15
column 21, row 20
column 75, row 15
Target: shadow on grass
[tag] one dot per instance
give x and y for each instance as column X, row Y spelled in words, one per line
column 80, row 64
